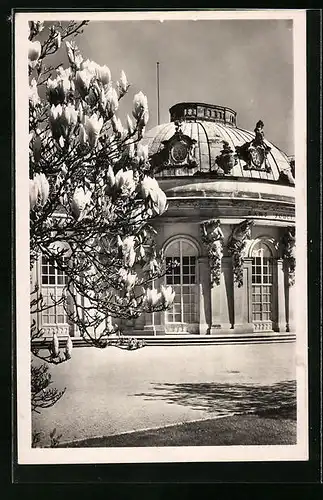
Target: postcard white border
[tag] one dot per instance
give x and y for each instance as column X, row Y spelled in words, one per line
column 28, row 455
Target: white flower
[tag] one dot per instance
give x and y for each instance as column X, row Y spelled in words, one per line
column 43, row 188
column 117, row 125
column 130, row 125
column 58, row 40
column 149, row 187
column 140, row 108
column 110, row 177
column 168, row 295
column 130, row 281
column 55, row 345
column 68, row 348
column 103, row 74
column 33, row 93
column 109, row 327
column 79, row 202
column 128, row 252
column 57, row 89
column 160, row 206
column 82, row 82
column 123, row 83
column 153, row 298
column 69, row 115
column 112, row 102
column 82, row 135
column 34, row 51
column 73, row 54
column 33, row 193
column 125, row 182
column 142, row 152
column 93, row 128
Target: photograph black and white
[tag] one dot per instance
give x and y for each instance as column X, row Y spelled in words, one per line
column 161, row 236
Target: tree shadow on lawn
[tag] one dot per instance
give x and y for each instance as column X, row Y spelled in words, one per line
column 273, row 401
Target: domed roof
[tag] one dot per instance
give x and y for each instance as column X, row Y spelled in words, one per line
column 210, row 126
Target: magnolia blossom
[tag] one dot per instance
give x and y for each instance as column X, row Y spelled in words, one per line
column 130, row 125
column 68, row 348
column 34, row 51
column 93, row 128
column 34, row 98
column 123, row 83
column 55, row 115
column 69, row 115
column 128, row 251
column 57, row 89
column 153, row 298
column 142, row 153
column 112, row 102
column 117, row 126
column 109, row 327
column 140, row 109
column 73, row 54
column 33, row 193
column 55, row 345
column 38, row 190
column 82, row 81
column 110, row 177
column 79, row 202
column 58, row 40
column 125, row 182
column 103, row 74
column 150, row 188
column 82, row 135
column 168, row 295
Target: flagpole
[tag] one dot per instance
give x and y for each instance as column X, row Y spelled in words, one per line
column 158, row 112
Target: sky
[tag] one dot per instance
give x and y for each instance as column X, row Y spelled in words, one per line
column 246, row 65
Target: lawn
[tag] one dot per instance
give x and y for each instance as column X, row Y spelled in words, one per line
column 245, row 430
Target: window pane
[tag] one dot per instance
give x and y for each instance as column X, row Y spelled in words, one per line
column 45, row 280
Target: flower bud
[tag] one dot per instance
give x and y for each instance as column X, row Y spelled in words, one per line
column 58, row 41
column 123, row 83
column 82, row 82
column 68, row 348
column 110, row 177
column 112, row 102
column 79, row 202
column 142, row 153
column 33, row 193
column 82, row 135
column 93, row 128
column 140, row 106
column 103, row 74
column 168, row 295
column 117, row 125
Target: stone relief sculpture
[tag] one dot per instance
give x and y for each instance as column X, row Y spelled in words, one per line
column 226, row 160
column 288, row 243
column 212, row 237
column 254, row 153
column 236, row 246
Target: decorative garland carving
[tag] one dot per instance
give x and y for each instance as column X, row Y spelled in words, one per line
column 255, row 152
column 212, row 237
column 288, row 243
column 236, row 246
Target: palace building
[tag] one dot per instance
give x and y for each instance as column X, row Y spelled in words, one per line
column 230, row 225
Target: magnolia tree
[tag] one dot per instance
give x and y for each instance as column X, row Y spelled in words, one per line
column 92, row 196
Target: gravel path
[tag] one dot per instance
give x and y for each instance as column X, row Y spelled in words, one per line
column 113, row 391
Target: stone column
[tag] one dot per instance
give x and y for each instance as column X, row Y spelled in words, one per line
column 204, row 295
column 281, row 305
column 242, row 301
column 291, row 308
column 221, row 299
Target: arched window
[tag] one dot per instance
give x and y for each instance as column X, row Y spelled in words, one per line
column 183, row 278
column 262, row 283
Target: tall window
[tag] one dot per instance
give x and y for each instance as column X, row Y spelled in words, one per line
column 53, row 288
column 183, row 278
column 262, row 283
